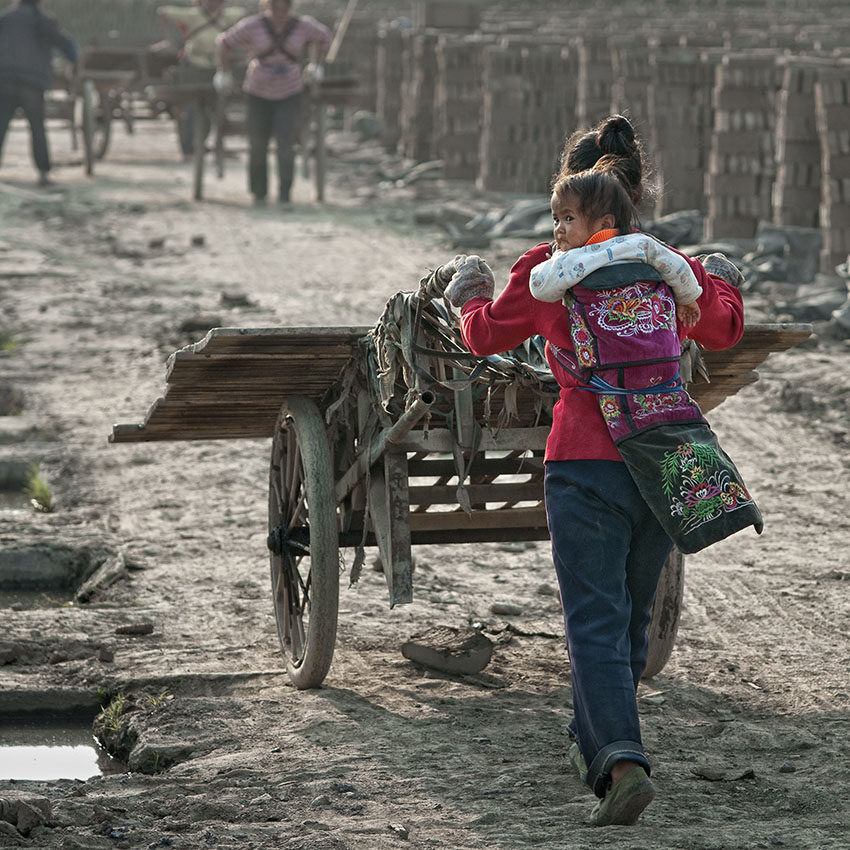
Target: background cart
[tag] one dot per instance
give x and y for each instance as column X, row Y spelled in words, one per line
column 112, row 83
column 396, row 436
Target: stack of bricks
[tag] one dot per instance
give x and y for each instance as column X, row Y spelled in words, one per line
column 680, row 126
column 630, row 55
column 797, row 188
column 447, row 14
column 525, row 115
column 418, row 91
column 832, row 105
column 389, row 67
column 458, row 104
column 741, row 167
column 357, row 56
column 595, row 79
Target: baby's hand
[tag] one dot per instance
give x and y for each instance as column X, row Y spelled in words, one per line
column 688, row 314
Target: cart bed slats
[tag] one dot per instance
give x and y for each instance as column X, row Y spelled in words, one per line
column 231, row 383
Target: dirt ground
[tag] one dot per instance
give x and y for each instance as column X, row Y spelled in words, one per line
column 747, row 726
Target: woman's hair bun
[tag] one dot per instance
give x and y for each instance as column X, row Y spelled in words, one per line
column 616, row 135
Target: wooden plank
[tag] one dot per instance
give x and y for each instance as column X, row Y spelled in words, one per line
column 391, row 531
column 460, row 521
column 231, row 383
column 482, row 466
column 507, row 439
column 529, row 491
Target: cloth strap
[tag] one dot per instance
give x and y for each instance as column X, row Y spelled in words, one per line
column 211, row 21
column 279, row 38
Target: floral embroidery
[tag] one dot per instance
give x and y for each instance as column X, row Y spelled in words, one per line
column 610, row 409
column 581, row 336
column 699, row 486
column 649, row 405
column 632, row 310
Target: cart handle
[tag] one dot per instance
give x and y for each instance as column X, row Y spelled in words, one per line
column 392, row 435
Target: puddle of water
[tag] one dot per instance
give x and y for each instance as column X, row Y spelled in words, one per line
column 36, row 751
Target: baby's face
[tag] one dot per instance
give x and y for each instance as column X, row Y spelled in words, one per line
column 570, row 228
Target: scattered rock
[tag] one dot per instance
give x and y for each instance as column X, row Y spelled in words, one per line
column 23, row 810
column 787, row 767
column 144, row 628
column 719, row 774
column 678, row 228
column 11, row 400
column 399, row 831
column 110, row 571
column 367, row 125
column 320, row 801
column 464, row 651
column 505, row 608
column 200, row 324
column 231, row 300
column 198, row 240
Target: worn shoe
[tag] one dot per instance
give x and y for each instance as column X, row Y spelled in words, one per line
column 577, row 761
column 624, row 802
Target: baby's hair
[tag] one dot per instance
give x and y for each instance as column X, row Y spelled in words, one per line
column 598, row 192
column 613, row 137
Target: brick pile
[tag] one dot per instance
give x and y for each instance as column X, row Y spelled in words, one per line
column 418, row 91
column 741, row 167
column 389, row 65
column 595, row 79
column 525, row 115
column 797, row 189
column 458, row 104
column 356, row 56
column 832, row 105
column 680, row 121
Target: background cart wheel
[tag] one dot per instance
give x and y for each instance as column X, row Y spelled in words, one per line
column 97, row 123
column 665, row 613
column 303, row 542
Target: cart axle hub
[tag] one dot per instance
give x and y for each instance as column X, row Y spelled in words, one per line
column 295, row 541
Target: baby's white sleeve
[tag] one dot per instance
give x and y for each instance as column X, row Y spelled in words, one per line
column 675, row 270
column 551, row 279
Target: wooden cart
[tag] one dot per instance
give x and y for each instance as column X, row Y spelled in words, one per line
column 229, row 120
column 394, row 436
column 111, row 84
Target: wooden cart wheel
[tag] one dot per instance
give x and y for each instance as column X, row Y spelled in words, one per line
column 97, row 123
column 303, row 541
column 665, row 613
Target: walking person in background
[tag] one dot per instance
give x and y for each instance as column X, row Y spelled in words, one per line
column 278, row 42
column 28, row 37
column 198, row 26
column 608, row 546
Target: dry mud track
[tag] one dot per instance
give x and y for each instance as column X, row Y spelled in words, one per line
column 747, row 726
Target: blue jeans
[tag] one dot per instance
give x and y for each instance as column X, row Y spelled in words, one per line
column 609, row 550
column 31, row 100
column 264, row 118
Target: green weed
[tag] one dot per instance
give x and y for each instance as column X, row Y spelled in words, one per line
column 113, row 714
column 156, row 701
column 38, row 490
column 8, row 342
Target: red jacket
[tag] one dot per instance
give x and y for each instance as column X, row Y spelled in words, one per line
column 578, row 429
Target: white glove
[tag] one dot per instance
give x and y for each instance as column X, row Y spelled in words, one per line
column 314, row 72
column 472, row 279
column 719, row 265
column 223, row 82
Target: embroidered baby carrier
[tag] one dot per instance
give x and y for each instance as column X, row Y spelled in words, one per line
column 626, row 350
